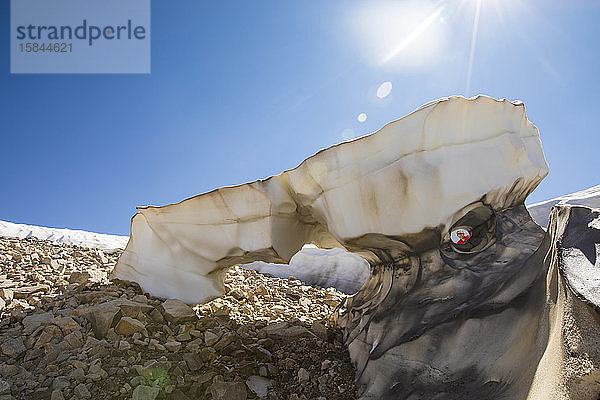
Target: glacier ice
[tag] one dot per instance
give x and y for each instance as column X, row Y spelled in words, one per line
column 441, row 315
column 413, row 174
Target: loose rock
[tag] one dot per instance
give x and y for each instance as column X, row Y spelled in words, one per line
column 128, row 326
column 176, row 311
column 109, row 340
column 228, row 391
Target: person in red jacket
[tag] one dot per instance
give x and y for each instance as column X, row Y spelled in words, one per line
column 460, row 236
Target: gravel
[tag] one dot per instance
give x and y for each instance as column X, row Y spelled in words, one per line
column 68, row 332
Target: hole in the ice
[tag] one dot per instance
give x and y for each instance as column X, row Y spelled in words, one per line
column 324, row 268
column 473, row 233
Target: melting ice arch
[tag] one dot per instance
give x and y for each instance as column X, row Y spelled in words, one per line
column 395, row 182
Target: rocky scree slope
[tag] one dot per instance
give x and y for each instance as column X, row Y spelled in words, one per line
column 68, row 332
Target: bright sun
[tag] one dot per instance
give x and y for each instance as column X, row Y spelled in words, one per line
column 412, row 34
column 405, row 34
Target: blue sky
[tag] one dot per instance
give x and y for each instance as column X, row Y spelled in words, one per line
column 244, row 90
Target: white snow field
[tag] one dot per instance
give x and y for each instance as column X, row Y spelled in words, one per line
column 68, row 236
column 540, row 212
column 311, row 265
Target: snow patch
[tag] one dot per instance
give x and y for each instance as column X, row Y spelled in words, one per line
column 540, row 212
column 68, row 236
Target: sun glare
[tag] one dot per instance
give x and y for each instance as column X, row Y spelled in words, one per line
column 412, row 35
column 473, row 44
column 406, row 34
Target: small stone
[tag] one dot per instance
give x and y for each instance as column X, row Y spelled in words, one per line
column 192, row 361
column 66, row 324
column 124, row 345
column 133, row 309
column 101, row 316
column 228, row 391
column 136, row 381
column 225, row 340
column 210, row 338
column 143, row 392
column 303, row 375
column 173, row 345
column 195, row 345
column 285, row 330
column 304, row 301
column 179, row 395
column 156, row 345
column 262, row 371
column 208, row 354
column 184, row 337
column 127, row 326
column 259, row 385
column 157, row 316
column 78, row 374
column 176, row 311
column 279, row 309
column 319, row 329
column 101, row 257
column 332, row 302
column 4, row 387
column 6, row 294
column 96, row 372
column 82, row 391
column 74, row 340
column 140, row 298
column 196, row 333
column 24, row 292
column 87, row 276
column 13, row 347
column 60, row 383
column 78, row 364
column 57, row 395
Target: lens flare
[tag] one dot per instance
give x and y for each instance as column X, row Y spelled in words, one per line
column 384, row 89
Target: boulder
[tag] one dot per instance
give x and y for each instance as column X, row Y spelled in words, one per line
column 91, row 275
column 176, row 311
column 13, row 347
column 128, row 326
column 32, row 322
column 102, row 317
